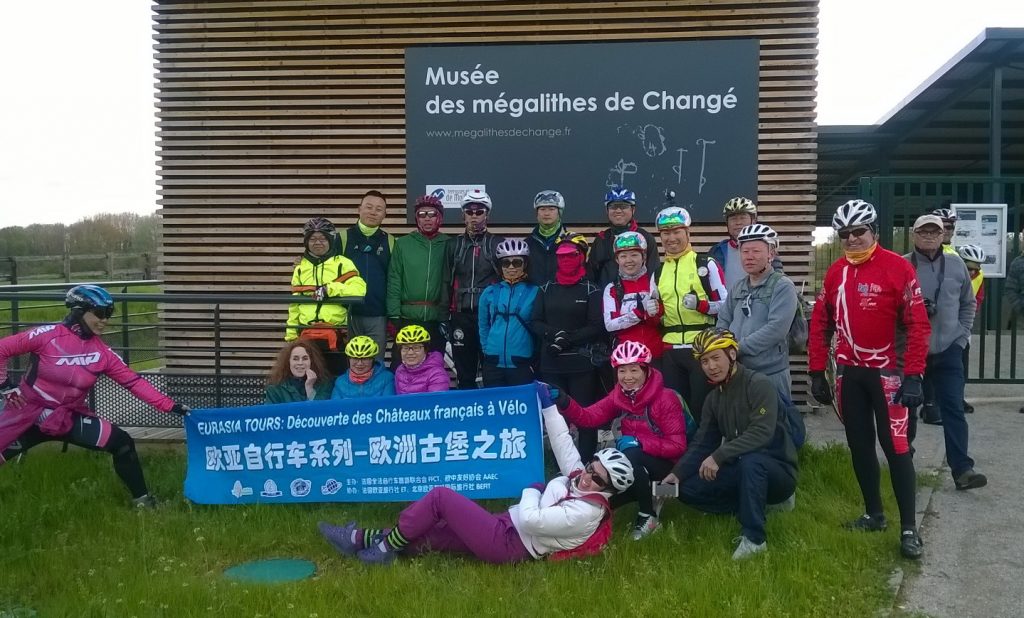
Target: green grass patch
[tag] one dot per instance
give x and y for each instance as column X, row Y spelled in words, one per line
column 73, row 547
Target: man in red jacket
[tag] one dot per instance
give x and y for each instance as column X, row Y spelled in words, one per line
column 865, row 294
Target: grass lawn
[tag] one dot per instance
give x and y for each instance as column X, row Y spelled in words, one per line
column 73, row 547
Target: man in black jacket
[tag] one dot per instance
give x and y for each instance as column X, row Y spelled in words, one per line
column 620, row 204
column 370, row 247
column 469, row 269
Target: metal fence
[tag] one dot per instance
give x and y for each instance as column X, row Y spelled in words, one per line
column 996, row 348
column 134, row 334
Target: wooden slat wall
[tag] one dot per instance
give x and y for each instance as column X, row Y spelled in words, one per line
column 272, row 111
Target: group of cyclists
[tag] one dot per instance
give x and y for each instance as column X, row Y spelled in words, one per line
column 688, row 354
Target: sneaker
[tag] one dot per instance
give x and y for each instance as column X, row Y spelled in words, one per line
column 644, row 525
column 144, row 502
column 970, row 480
column 867, row 523
column 968, row 408
column 340, row 537
column 747, row 548
column 785, row 506
column 911, row 545
column 375, row 555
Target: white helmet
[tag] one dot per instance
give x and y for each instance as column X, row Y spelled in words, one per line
column 511, row 247
column 971, row 253
column 620, row 471
column 549, row 198
column 758, row 231
column 946, row 214
column 477, row 196
column 854, row 212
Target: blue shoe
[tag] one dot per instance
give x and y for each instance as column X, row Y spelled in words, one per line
column 375, row 555
column 340, row 537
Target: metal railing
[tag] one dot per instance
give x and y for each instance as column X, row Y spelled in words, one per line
column 135, row 334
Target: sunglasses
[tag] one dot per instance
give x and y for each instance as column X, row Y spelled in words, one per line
column 547, row 199
column 619, row 206
column 427, row 214
column 595, row 477
column 948, row 228
column 475, row 212
column 856, row 233
column 512, row 263
column 745, row 306
column 103, row 313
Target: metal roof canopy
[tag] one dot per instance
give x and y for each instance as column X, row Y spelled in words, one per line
column 967, row 119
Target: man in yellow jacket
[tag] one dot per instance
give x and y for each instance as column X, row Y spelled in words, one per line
column 323, row 274
column 692, row 289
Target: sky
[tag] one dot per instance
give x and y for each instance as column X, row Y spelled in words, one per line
column 77, row 105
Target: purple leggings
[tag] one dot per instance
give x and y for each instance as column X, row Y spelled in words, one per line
column 444, row 520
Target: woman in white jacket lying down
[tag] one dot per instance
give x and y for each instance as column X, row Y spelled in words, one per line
column 566, row 518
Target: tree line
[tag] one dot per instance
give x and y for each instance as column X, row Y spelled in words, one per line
column 103, row 233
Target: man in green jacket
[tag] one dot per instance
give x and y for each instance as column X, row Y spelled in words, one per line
column 416, row 292
column 742, row 458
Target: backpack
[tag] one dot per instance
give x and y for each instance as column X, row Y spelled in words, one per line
column 790, row 415
column 597, row 541
column 798, row 329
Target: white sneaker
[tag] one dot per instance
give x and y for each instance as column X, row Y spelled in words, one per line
column 645, row 525
column 747, row 548
column 785, row 506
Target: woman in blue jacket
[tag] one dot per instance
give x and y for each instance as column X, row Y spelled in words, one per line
column 366, row 376
column 505, row 312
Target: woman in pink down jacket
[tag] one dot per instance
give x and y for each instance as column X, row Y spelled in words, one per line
column 653, row 427
column 49, row 404
column 419, row 371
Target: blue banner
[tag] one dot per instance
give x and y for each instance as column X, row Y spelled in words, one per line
column 482, row 443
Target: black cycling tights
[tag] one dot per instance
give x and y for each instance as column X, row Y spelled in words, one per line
column 95, row 434
column 864, row 395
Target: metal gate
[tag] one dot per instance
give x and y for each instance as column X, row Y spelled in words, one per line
column 996, row 347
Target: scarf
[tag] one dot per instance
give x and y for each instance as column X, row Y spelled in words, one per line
column 360, row 378
column 640, row 273
column 546, row 230
column 615, row 230
column 859, row 257
column 366, row 229
column 516, row 280
column 570, row 268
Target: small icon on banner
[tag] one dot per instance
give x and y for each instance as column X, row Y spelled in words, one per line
column 270, row 489
column 330, row 488
column 300, row 488
column 238, row 491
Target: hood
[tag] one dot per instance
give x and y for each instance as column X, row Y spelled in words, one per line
column 655, row 382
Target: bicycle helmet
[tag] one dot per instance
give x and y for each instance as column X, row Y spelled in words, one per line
column 414, row 333
column 629, row 352
column 619, row 193
column 319, row 224
column 630, row 241
column 711, row 339
column 88, row 297
column 478, row 197
column 361, row 347
column 511, row 247
column 971, row 253
column 854, row 212
column 549, row 198
column 620, row 470
column 946, row 214
column 673, row 217
column 758, row 231
column 739, row 205
column 579, row 241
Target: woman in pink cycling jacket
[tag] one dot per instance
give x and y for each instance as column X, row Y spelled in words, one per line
column 653, row 426
column 49, row 403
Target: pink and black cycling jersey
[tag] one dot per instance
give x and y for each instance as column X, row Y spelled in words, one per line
column 64, row 366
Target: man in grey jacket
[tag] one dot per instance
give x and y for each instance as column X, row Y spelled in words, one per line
column 760, row 308
column 949, row 301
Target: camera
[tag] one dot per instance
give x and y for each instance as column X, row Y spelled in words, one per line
column 930, row 308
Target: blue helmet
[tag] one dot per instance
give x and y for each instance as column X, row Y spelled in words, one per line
column 88, row 297
column 619, row 193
